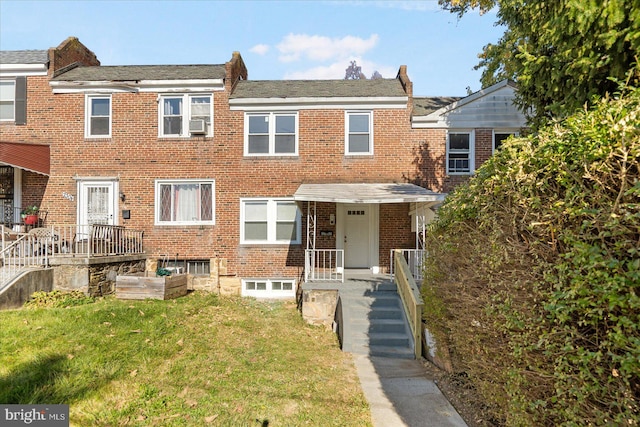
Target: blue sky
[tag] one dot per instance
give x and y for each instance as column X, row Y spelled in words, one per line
column 277, row 39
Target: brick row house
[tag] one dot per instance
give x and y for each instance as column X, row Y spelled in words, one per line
column 247, row 185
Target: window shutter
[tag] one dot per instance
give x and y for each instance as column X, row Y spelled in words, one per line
column 21, row 101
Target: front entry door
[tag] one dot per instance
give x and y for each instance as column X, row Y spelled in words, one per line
column 97, row 202
column 356, row 236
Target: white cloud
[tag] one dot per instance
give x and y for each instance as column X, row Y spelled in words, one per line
column 337, row 70
column 260, row 49
column 320, row 48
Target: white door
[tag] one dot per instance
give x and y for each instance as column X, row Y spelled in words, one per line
column 97, row 202
column 356, row 236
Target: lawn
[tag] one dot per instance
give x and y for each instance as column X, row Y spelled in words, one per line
column 196, row 360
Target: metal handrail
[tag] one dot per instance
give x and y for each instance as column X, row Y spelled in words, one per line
column 36, row 247
column 324, row 265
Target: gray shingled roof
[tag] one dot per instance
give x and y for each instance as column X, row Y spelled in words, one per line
column 143, row 72
column 423, row 106
column 24, row 57
column 317, row 88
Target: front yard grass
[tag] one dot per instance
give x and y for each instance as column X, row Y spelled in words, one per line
column 196, row 360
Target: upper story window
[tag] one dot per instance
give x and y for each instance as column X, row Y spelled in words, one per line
column 98, row 116
column 186, row 115
column 359, row 132
column 460, row 153
column 13, row 100
column 499, row 137
column 184, row 202
column 270, row 221
column 7, row 100
column 271, row 134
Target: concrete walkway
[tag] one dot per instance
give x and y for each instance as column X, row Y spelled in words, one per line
column 400, row 394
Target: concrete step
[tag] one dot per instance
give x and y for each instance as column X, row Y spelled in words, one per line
column 374, row 323
column 394, row 325
column 384, row 351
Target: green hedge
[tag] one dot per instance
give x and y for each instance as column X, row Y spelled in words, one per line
column 537, row 263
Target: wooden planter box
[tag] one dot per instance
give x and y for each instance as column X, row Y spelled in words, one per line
column 151, row 286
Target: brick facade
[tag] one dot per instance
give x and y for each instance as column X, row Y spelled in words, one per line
column 135, row 157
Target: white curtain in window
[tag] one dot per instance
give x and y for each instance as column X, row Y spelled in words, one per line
column 186, row 202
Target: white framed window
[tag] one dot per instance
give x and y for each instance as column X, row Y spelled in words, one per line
column 7, row 100
column 269, row 288
column 184, row 202
column 270, row 221
column 176, row 111
column 358, row 132
column 271, row 134
column 499, row 137
column 98, row 116
column 460, row 152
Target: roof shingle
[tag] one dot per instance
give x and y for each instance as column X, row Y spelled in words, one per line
column 423, row 106
column 24, row 57
column 143, row 72
column 318, row 88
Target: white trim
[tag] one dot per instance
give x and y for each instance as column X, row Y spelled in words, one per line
column 19, row 70
column 170, row 86
column 317, row 103
column 13, row 100
column 272, row 204
column 157, row 202
column 268, row 292
column 87, row 115
column 471, row 134
column 81, row 206
column 374, row 231
column 347, row 115
column 272, row 133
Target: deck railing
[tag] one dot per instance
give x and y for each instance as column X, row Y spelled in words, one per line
column 324, row 265
column 414, row 259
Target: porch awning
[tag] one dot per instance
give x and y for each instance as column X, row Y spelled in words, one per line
column 31, row 157
column 366, row 193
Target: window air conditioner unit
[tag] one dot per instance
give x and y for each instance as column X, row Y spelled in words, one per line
column 197, row 126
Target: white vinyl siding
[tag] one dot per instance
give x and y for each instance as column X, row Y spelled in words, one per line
column 270, row 221
column 271, row 134
column 358, row 132
column 185, row 202
column 175, row 111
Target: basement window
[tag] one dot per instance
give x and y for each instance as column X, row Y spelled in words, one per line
column 269, row 288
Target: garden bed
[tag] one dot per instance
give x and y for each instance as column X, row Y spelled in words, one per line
column 151, row 286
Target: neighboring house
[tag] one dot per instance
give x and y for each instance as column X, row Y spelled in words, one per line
column 249, row 184
column 27, row 122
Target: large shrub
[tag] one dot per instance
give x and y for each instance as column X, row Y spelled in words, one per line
column 533, row 278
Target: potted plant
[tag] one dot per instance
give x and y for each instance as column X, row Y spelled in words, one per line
column 30, row 215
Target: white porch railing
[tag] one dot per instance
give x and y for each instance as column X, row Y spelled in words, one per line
column 324, row 265
column 414, row 259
